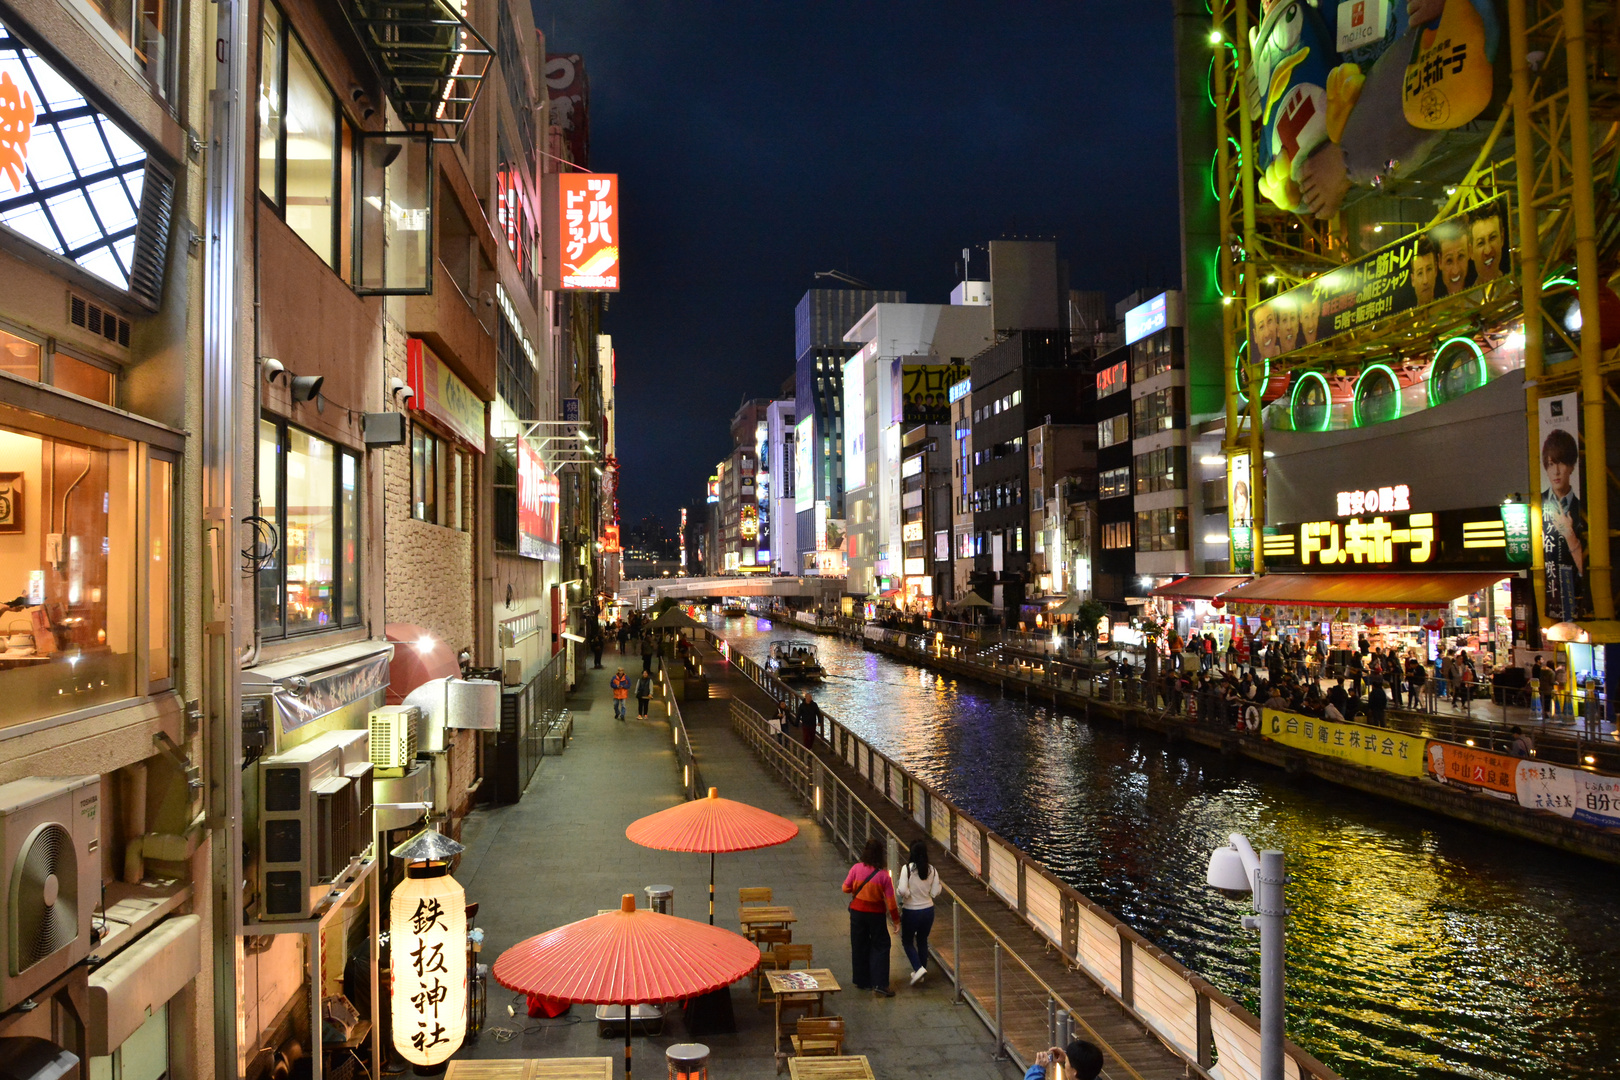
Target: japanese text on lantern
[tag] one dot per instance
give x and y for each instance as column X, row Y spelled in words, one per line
column 428, row 942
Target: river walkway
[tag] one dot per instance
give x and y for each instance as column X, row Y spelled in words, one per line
column 560, row 854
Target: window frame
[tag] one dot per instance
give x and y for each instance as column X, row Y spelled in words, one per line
column 446, row 502
column 340, row 126
column 339, row 585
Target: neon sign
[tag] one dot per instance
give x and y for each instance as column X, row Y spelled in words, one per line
column 1385, row 500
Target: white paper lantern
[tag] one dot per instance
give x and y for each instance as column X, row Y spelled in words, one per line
column 427, row 920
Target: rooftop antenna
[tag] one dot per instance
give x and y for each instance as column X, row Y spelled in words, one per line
column 839, row 275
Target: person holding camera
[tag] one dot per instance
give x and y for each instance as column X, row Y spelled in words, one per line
column 1080, row 1060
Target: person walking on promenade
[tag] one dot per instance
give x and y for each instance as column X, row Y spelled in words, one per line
column 648, row 650
column 624, row 636
column 873, row 895
column 643, row 693
column 1081, row 1061
column 621, row 691
column 1522, row 746
column 1377, row 702
column 597, row 644
column 1543, row 676
column 778, row 723
column 918, row 885
column 809, row 718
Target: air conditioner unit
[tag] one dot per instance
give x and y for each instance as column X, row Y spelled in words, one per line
column 393, row 738
column 50, row 829
column 315, row 805
column 474, row 704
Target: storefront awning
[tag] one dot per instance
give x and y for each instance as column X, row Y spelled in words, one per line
column 1363, row 590
column 1201, row 588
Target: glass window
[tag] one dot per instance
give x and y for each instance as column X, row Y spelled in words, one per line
column 1115, row 429
column 146, row 26
column 440, row 473
column 1162, row 530
column 311, row 154
column 85, row 379
column 271, row 103
column 1161, row 470
column 1158, row 411
column 312, row 581
column 19, row 355
column 1114, row 483
column 1116, row 535
column 159, row 570
column 69, row 566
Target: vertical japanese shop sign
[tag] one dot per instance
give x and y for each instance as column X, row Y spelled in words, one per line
column 1563, row 508
column 582, row 232
column 538, row 496
column 1239, row 503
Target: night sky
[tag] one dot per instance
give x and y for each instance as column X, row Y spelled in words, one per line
column 758, row 143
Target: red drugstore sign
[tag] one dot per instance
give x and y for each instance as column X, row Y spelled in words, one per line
column 538, row 495
column 583, row 245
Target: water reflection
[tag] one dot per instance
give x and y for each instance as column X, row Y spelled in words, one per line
column 1418, row 947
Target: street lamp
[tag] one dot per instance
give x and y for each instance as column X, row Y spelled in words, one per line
column 1236, row 871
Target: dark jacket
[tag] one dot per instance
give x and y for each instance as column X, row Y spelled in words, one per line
column 644, row 686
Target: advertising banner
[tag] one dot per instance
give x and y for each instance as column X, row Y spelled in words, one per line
column 1240, row 513
column 1464, row 765
column 441, row 395
column 854, row 425
column 1454, row 256
column 925, row 391
column 538, row 495
column 582, row 232
column 1570, row 793
column 570, row 97
column 804, row 480
column 1446, row 540
column 1563, row 508
column 1378, row 748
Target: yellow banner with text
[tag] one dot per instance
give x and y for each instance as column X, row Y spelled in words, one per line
column 1378, row 748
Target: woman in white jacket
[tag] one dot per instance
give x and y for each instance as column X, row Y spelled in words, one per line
column 918, row 885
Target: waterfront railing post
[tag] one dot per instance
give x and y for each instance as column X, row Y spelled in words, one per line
column 956, row 953
column 1001, row 1044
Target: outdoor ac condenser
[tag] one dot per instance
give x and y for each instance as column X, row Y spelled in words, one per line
column 315, row 806
column 50, row 830
column 393, row 738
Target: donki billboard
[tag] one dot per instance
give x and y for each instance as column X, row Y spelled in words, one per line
column 582, row 232
column 538, row 495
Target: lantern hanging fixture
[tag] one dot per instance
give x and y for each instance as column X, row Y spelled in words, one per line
column 427, row 918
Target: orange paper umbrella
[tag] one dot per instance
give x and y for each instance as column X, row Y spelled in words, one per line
column 627, row 957
column 712, row 825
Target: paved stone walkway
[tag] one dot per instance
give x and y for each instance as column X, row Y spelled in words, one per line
column 560, row 854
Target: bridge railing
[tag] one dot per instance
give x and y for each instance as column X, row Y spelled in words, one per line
column 1199, row 1023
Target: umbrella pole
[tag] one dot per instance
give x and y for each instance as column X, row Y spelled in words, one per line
column 627, row 1041
column 711, row 888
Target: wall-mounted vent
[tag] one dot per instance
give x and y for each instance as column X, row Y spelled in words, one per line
column 152, row 237
column 105, row 322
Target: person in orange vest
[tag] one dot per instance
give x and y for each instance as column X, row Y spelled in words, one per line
column 621, row 692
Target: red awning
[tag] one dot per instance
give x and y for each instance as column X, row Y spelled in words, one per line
column 1363, row 590
column 420, row 658
column 1200, row 588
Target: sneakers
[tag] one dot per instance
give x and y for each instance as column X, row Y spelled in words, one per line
column 882, row 991
column 917, row 976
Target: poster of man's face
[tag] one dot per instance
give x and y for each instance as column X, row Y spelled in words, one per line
column 1452, row 242
column 1486, row 244
column 1265, row 331
column 1425, row 270
column 1563, row 513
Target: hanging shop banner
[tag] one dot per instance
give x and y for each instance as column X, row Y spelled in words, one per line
column 925, row 391
column 1445, row 540
column 1454, row 256
column 1572, row 793
column 804, row 477
column 1468, row 767
column 326, row 693
column 1563, row 508
column 539, row 492
column 1377, row 748
column 854, row 424
column 582, row 232
column 441, row 395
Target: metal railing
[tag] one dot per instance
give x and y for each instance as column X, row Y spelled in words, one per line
column 1202, row 1026
column 691, row 778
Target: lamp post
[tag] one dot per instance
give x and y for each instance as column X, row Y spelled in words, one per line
column 1237, row 871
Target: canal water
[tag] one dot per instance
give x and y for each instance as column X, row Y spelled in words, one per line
column 1417, row 947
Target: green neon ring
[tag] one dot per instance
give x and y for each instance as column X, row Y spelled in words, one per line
column 1327, row 391
column 1550, row 282
column 1434, row 365
column 1265, row 379
column 1355, row 400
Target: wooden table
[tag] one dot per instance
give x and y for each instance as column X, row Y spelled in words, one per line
column 830, row 1068
column 756, row 918
column 577, row 1068
column 782, row 985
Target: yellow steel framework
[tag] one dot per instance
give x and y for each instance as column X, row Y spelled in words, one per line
column 1563, row 119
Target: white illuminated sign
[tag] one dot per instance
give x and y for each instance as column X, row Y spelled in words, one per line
column 1148, row 318
column 1384, row 500
column 427, row 919
column 912, row 531
column 960, row 391
column 911, row 466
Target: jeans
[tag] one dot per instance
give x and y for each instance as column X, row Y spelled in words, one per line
column 914, row 927
column 869, row 950
column 618, row 708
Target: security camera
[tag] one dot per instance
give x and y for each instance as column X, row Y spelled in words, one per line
column 306, row 387
column 399, row 389
column 272, row 368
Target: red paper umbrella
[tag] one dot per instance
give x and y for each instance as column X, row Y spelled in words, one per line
column 712, row 825
column 626, row 957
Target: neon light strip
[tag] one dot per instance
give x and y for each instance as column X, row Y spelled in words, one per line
column 1434, row 365
column 1327, row 393
column 1355, row 402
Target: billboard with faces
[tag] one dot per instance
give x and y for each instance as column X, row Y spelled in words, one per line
column 1461, row 254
